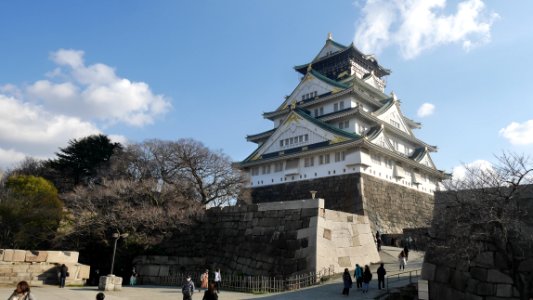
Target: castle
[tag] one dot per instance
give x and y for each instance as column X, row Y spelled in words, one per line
column 340, row 135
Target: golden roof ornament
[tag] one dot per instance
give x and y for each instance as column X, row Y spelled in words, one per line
column 394, row 97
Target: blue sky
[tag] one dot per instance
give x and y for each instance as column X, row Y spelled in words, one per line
column 207, row 70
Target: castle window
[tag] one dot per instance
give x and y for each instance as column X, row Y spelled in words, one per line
column 394, row 123
column 309, row 161
column 376, row 159
column 335, row 107
column 266, row 169
column 278, row 167
column 341, row 105
column 255, row 171
column 281, row 143
column 300, row 138
column 389, row 163
column 323, row 159
column 344, row 125
column 306, row 137
column 316, row 112
column 321, row 110
column 340, row 156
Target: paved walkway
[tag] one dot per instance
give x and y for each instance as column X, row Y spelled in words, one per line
column 330, row 290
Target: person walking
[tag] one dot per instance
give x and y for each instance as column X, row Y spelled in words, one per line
column 133, row 277
column 347, row 282
column 187, row 289
column 63, row 273
column 210, row 294
column 22, row 292
column 381, row 276
column 358, row 275
column 218, row 280
column 367, row 277
column 204, row 280
column 402, row 260
column 406, row 252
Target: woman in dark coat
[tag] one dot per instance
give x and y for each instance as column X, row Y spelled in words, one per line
column 367, row 277
column 347, row 281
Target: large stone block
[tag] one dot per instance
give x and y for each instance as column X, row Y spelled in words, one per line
column 442, row 274
column 84, row 271
column 110, row 283
column 1, row 254
column 485, row 259
column 498, row 277
column 62, row 257
column 36, row 256
column 485, row 289
column 19, row 255
column 504, row 290
column 479, row 273
column 428, row 271
column 345, row 262
column 20, row 268
column 526, row 266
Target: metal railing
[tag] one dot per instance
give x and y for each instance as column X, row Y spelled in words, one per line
column 247, row 283
column 411, row 276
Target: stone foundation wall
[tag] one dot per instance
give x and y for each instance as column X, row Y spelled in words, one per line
column 485, row 276
column 389, row 207
column 343, row 240
column 340, row 192
column 273, row 239
column 40, row 267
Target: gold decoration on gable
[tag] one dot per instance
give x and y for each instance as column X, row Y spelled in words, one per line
column 293, row 118
column 256, row 157
column 335, row 90
column 338, row 139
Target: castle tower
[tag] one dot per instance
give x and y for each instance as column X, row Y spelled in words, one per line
column 340, row 134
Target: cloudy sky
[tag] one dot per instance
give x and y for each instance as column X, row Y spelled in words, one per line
column 136, row 70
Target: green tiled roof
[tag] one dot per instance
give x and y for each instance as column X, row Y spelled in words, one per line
column 305, row 114
column 328, row 80
column 385, row 107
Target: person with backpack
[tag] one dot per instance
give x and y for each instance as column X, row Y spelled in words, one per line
column 358, row 274
column 188, row 289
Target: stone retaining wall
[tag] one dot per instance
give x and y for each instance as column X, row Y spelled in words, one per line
column 40, row 267
column 487, row 275
column 276, row 238
column 389, row 207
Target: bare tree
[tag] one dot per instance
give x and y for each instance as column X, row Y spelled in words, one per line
column 489, row 210
column 132, row 206
column 202, row 175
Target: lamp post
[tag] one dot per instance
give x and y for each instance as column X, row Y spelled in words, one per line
column 117, row 236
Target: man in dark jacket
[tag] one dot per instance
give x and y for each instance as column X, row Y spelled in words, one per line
column 63, row 273
column 381, row 276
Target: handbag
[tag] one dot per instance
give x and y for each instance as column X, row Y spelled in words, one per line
column 68, row 274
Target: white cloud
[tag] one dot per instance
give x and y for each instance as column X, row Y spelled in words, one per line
column 74, row 101
column 459, row 172
column 418, row 25
column 8, row 157
column 518, row 134
column 425, row 110
column 96, row 92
